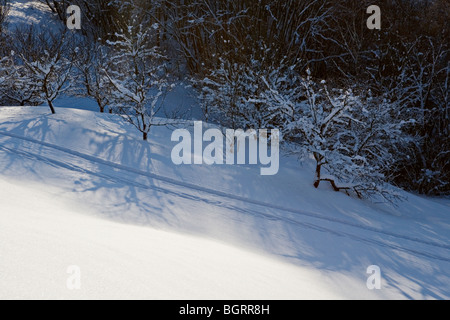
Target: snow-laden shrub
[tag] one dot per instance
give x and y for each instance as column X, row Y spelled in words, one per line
column 16, row 87
column 352, row 136
column 237, row 95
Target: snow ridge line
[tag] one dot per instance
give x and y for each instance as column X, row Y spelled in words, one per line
column 219, row 203
column 220, row 193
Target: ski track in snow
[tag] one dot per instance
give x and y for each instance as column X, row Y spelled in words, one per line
column 116, row 170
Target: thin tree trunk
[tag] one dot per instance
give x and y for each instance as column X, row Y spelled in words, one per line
column 52, row 108
column 318, row 159
column 318, row 170
column 144, row 131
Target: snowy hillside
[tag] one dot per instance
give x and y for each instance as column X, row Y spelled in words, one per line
column 26, row 13
column 90, row 211
column 80, row 189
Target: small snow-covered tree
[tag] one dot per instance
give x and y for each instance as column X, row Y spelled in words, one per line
column 350, row 136
column 224, row 92
column 91, row 64
column 48, row 58
column 236, row 94
column 138, row 76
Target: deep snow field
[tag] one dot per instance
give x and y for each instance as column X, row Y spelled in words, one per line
column 81, row 189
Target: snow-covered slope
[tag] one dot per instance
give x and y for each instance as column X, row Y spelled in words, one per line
column 42, row 237
column 80, row 188
column 25, row 13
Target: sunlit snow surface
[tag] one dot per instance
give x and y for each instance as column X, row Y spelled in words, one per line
column 27, row 13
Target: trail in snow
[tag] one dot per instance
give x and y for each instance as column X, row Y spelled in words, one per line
column 121, row 173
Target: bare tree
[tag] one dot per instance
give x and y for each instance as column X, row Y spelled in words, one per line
column 138, row 77
column 91, row 64
column 48, row 59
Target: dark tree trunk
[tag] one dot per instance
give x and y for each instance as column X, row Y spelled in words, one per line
column 318, row 175
column 144, row 129
column 52, row 108
column 318, row 159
